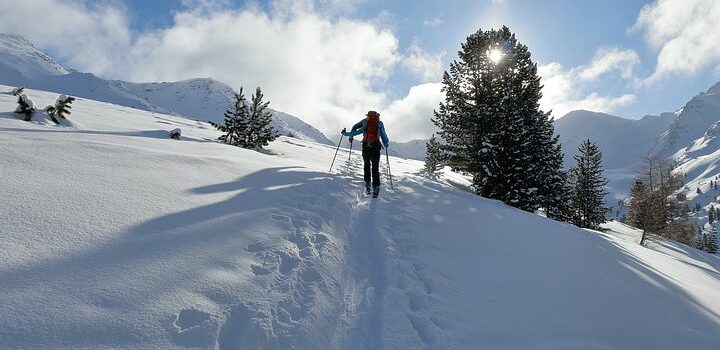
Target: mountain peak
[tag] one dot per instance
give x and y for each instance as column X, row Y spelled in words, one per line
column 20, row 58
column 715, row 89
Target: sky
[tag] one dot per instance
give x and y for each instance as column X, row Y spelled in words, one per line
column 330, row 61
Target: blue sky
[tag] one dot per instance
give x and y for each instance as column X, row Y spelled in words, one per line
column 328, row 60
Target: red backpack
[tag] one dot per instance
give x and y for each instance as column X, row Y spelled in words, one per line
column 372, row 130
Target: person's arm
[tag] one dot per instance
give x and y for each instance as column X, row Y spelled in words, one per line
column 355, row 132
column 383, row 135
column 358, row 125
column 357, row 129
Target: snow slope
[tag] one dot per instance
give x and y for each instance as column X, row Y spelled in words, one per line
column 208, row 99
column 20, row 59
column 22, row 64
column 115, row 236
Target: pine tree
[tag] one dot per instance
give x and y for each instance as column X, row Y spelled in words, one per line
column 61, row 109
column 235, row 122
column 711, row 215
column 711, row 241
column 492, row 124
column 18, row 91
column 26, row 106
column 590, row 187
column 433, row 157
column 259, row 133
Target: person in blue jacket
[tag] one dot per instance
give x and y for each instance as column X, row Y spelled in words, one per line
column 373, row 131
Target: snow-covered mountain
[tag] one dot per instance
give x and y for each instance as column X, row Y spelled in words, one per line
column 22, row 64
column 20, row 59
column 624, row 142
column 116, row 236
column 688, row 138
column 693, row 121
column 413, row 149
column 208, row 99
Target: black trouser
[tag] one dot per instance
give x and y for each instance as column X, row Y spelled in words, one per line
column 371, row 158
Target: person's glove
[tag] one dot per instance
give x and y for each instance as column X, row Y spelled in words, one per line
column 343, row 131
column 351, row 139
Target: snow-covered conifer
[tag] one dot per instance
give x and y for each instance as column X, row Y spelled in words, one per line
column 258, row 132
column 61, row 109
column 175, row 133
column 234, row 125
column 18, row 91
column 711, row 240
column 26, row 107
column 433, row 156
column 492, row 125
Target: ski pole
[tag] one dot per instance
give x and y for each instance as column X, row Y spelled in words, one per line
column 387, row 157
column 350, row 155
column 336, row 151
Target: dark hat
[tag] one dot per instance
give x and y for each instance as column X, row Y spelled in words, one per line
column 369, row 113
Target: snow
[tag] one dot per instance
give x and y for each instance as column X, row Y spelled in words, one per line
column 206, row 99
column 21, row 59
column 115, row 236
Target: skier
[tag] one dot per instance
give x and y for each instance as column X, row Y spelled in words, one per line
column 373, row 130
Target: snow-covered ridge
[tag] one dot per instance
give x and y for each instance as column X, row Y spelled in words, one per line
column 116, row 236
column 20, row 57
column 204, row 99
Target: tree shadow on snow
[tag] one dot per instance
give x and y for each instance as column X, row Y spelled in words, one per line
column 163, row 255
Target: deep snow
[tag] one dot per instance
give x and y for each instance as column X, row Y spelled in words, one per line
column 115, row 236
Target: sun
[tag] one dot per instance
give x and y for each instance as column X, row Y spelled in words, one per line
column 495, row 55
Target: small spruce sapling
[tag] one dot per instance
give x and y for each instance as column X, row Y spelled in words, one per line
column 175, row 134
column 18, row 91
column 26, row 106
column 61, row 109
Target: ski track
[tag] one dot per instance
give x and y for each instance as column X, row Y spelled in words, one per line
column 389, row 294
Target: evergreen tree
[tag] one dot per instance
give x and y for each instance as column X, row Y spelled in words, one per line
column 433, row 157
column 492, row 124
column 589, row 187
column 258, row 132
column 18, row 91
column 61, row 109
column 26, row 106
column 711, row 215
column 235, row 122
column 711, row 240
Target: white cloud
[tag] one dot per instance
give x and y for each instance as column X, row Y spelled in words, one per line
column 608, row 60
column 563, row 92
column 435, row 22
column 87, row 36
column 410, row 118
column 426, row 66
column 322, row 68
column 686, row 34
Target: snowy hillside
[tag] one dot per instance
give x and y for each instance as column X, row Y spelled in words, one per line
column 20, row 59
column 22, row 64
column 692, row 122
column 115, row 236
column 208, row 99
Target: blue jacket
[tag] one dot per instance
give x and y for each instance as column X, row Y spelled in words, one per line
column 359, row 128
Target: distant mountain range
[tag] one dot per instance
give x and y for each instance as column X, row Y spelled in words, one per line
column 687, row 137
column 206, row 99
